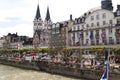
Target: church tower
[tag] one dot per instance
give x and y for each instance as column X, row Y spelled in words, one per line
column 41, row 29
column 47, row 25
column 38, row 20
column 107, row 4
column 47, row 21
column 38, row 25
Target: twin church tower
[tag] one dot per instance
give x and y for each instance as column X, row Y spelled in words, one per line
column 41, row 29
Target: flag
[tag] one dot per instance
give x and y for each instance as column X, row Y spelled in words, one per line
column 78, row 36
column 105, row 73
column 91, row 34
column 103, row 34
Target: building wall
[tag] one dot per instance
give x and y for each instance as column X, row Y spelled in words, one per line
column 100, row 24
column 42, row 33
column 1, row 43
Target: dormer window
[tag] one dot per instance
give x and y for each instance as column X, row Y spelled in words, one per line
column 83, row 19
column 53, row 26
column 57, row 25
column 118, row 13
column 79, row 21
column 75, row 21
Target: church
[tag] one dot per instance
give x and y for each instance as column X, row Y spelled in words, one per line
column 41, row 29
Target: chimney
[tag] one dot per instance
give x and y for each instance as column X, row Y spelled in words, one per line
column 71, row 17
column 118, row 7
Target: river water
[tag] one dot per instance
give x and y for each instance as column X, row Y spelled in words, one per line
column 13, row 73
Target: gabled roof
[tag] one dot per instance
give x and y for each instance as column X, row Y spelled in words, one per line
column 38, row 15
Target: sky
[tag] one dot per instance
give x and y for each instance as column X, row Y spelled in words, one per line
column 18, row 15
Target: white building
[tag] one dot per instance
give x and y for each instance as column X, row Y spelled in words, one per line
column 1, row 43
column 97, row 27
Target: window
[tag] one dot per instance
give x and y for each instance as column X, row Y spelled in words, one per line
column 110, row 31
column 87, row 41
column 92, row 42
column 40, row 24
column 104, row 22
column 103, row 30
column 75, row 21
column 57, row 30
column 35, row 24
column 110, row 22
column 86, row 32
column 87, row 25
column 82, row 26
column 92, row 24
column 104, row 41
column 118, row 13
column 118, row 21
column 97, row 17
column 78, row 28
column 97, row 34
column 74, row 28
column 97, row 41
column 103, row 15
column 83, row 19
column 92, row 18
column 79, row 20
column 118, row 40
column 98, row 24
column 97, row 31
column 111, row 40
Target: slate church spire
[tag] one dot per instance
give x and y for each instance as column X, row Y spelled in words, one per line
column 38, row 15
column 47, row 15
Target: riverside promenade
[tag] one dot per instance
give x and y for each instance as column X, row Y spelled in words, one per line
column 66, row 69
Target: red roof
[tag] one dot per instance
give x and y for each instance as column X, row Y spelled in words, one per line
column 33, row 54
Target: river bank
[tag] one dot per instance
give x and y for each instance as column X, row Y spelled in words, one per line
column 55, row 68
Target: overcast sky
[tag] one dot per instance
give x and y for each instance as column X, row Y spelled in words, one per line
column 18, row 15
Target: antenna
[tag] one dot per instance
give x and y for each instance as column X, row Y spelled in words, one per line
column 38, row 1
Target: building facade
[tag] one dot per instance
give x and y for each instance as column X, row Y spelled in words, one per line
column 59, row 35
column 41, row 29
column 14, row 41
column 97, row 27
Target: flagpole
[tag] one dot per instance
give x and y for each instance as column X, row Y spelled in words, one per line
column 105, row 75
column 108, row 61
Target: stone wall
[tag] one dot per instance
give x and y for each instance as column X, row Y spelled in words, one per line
column 61, row 69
